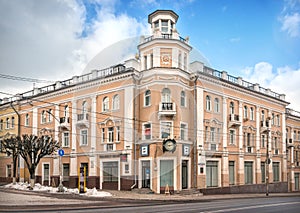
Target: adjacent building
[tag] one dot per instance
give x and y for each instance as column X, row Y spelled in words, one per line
column 160, row 121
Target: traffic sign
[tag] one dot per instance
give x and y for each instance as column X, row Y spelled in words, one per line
column 61, row 152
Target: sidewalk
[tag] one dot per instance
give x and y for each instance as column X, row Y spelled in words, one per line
column 177, row 197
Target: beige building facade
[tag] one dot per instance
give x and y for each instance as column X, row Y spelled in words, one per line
column 160, row 121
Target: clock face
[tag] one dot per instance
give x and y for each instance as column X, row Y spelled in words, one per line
column 170, row 145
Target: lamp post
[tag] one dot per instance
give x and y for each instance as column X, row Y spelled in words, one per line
column 267, row 158
column 60, row 153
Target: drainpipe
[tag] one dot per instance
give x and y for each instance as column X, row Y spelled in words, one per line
column 135, row 80
column 195, row 132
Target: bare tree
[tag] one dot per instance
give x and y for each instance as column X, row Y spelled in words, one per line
column 33, row 148
column 10, row 147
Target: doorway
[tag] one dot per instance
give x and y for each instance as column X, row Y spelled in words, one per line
column 145, row 174
column 184, row 178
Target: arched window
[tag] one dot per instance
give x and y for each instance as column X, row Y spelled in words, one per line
column 105, row 106
column 147, row 98
column 7, row 123
column 12, row 122
column 1, row 124
column 66, row 111
column 166, row 95
column 43, row 116
column 251, row 114
column 84, row 107
column 231, row 106
column 182, row 98
column 50, row 115
column 116, row 102
column 27, row 119
column 262, row 115
column 245, row 112
column 217, row 105
column 208, row 103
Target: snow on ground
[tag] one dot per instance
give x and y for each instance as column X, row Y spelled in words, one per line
column 38, row 187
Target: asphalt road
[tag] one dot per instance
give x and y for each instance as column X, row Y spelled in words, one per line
column 264, row 205
column 16, row 201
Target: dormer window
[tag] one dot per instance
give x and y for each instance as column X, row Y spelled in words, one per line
column 164, row 26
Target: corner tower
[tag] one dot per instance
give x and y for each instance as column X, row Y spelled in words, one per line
column 164, row 48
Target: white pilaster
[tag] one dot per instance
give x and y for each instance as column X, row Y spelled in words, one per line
column 35, row 121
column 241, row 126
column 128, row 122
column 93, row 122
column 225, row 126
column 200, row 117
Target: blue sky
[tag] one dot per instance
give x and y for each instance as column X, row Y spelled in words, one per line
column 258, row 40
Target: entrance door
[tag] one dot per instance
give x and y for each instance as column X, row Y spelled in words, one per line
column 166, row 173
column 297, row 181
column 184, row 178
column 145, row 174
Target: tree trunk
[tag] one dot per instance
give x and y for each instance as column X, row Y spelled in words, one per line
column 32, row 182
column 15, row 157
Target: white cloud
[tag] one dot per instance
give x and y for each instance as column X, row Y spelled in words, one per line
column 283, row 80
column 235, row 40
column 261, row 73
column 42, row 40
column 291, row 24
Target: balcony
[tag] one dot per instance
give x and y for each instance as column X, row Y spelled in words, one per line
column 64, row 122
column 264, row 126
column 83, row 120
column 234, row 120
column 167, row 109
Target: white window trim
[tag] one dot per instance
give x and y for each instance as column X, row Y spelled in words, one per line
column 185, row 131
column 143, row 130
column 63, row 139
column 160, row 128
column 81, row 144
column 234, row 137
column 43, row 175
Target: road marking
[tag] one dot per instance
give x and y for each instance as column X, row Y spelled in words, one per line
column 250, row 207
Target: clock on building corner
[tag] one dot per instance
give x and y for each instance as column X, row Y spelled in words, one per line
column 169, row 145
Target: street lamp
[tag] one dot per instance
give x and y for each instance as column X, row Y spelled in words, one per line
column 268, row 161
column 60, row 153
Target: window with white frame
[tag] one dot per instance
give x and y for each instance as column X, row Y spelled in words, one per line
column 110, row 134
column 7, row 123
column 66, row 111
column 105, row 105
column 83, row 137
column 248, row 171
column 103, row 135
column 231, row 108
column 182, row 99
column 208, row 103
column 217, row 105
column 212, row 173
column 84, row 108
column 232, row 136
column 263, row 141
column 50, row 115
column 12, row 122
column 1, row 124
column 273, row 119
column 27, row 119
column 212, row 135
column 118, row 134
column 245, row 112
column 263, row 115
column 231, row 173
column 66, row 139
column 278, row 120
column 164, row 26
column 147, row 131
column 116, row 102
column 294, row 135
column 44, row 116
column 276, row 172
column 46, row 172
column 8, row 170
column 166, row 95
column 166, row 129
column 147, row 98
column 183, row 131
column 251, row 114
